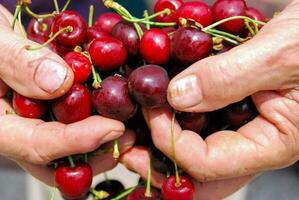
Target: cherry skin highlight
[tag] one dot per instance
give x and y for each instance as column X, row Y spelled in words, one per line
column 172, row 5
column 107, row 21
column 40, row 27
column 183, row 192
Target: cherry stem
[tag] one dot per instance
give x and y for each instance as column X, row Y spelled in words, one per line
column 148, row 17
column 53, row 193
column 145, row 14
column 86, row 157
column 15, row 16
column 96, row 78
column 150, row 22
column 21, row 25
column 115, row 149
column 177, row 176
column 225, row 38
column 148, row 192
column 71, row 161
column 65, row 29
column 66, row 5
column 124, row 194
column 37, row 16
column 99, row 194
column 249, row 27
column 106, row 178
column 90, row 16
column 56, row 6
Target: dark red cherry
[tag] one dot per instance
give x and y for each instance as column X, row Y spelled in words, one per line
column 197, row 11
column 193, row 121
column 112, row 99
column 160, row 162
column 40, row 27
column 28, row 107
column 148, row 85
column 107, row 53
column 172, row 192
column 112, row 187
column 73, row 182
column 139, row 194
column 223, row 9
column 127, row 34
column 74, row 106
column 80, row 65
column 255, row 14
column 155, row 46
column 76, row 21
column 172, row 5
column 189, row 45
column 107, row 21
column 95, row 33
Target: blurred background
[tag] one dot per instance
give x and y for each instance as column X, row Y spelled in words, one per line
column 15, row 184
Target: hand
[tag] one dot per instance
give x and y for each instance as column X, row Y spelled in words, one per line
column 33, row 143
column 265, row 68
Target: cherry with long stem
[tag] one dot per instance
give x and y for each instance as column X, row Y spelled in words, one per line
column 177, row 176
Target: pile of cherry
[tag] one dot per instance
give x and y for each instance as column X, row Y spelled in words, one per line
column 122, row 63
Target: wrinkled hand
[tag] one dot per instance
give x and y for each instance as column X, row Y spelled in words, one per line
column 33, row 143
column 265, row 68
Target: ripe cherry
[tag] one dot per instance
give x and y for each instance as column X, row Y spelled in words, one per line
column 74, row 106
column 160, row 162
column 197, row 11
column 190, row 45
column 112, row 99
column 80, row 65
column 148, row 85
column 139, row 194
column 155, row 46
column 40, row 27
column 73, row 182
column 112, row 187
column 255, row 14
column 223, row 9
column 107, row 53
column 107, row 21
column 172, row 5
column 196, row 122
column 28, row 107
column 95, row 33
column 170, row 191
column 79, row 28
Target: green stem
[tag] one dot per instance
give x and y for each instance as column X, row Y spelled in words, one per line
column 148, row 192
column 148, row 17
column 86, row 157
column 115, row 149
column 106, row 178
column 71, row 161
column 99, row 194
column 177, row 176
column 66, row 5
column 37, row 16
column 148, row 26
column 15, row 16
column 225, row 38
column 124, row 194
column 56, row 6
column 249, row 27
column 225, row 34
column 21, row 25
column 132, row 20
column 96, row 78
column 53, row 193
column 90, row 16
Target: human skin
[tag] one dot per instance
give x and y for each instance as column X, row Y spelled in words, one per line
column 265, row 68
column 33, row 143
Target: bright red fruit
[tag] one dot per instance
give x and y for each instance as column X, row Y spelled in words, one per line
column 95, row 33
column 40, row 27
column 27, row 107
column 107, row 53
column 197, row 11
column 107, row 21
column 73, row 182
column 155, row 46
column 74, row 106
column 255, row 14
column 138, row 194
column 80, row 65
column 183, row 192
column 172, row 5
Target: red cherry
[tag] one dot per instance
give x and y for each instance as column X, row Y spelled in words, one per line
column 255, row 14
column 172, row 5
column 193, row 121
column 223, row 9
column 73, row 182
column 74, row 106
column 107, row 21
column 80, row 65
column 27, row 107
column 40, row 27
column 139, row 194
column 95, row 33
column 76, row 21
column 197, row 11
column 171, row 192
column 107, row 53
column 155, row 46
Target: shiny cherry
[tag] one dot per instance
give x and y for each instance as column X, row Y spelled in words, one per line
column 197, row 11
column 196, row 122
column 148, row 85
column 112, row 187
column 189, row 45
column 80, row 65
column 223, row 9
column 73, row 182
column 172, row 192
column 40, row 27
column 112, row 99
column 76, row 21
column 172, row 5
column 74, row 106
column 139, row 194
column 155, row 46
column 28, row 107
column 254, row 13
column 107, row 21
column 95, row 33
column 107, row 53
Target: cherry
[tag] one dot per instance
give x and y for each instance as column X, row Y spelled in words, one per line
column 228, row 8
column 74, row 106
column 196, row 122
column 107, row 53
column 95, row 33
column 190, row 45
column 185, row 191
column 160, row 162
column 148, row 85
column 73, row 182
column 197, row 11
column 107, row 21
column 255, row 14
column 80, row 65
column 139, row 194
column 172, row 5
column 112, row 187
column 155, row 46
column 127, row 34
column 79, row 28
column 28, row 107
column 40, row 27
column 112, row 99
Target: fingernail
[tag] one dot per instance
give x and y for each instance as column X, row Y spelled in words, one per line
column 50, row 75
column 185, row 92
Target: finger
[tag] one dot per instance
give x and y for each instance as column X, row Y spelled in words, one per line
column 3, row 88
column 39, row 142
